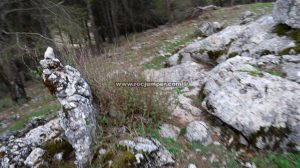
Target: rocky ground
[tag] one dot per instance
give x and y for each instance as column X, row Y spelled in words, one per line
column 240, row 109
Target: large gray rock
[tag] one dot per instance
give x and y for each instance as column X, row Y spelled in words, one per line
column 149, row 153
column 287, row 66
column 252, row 40
column 78, row 116
column 263, row 107
column 186, row 72
column 198, row 131
column 287, row 12
column 180, row 104
column 17, row 151
column 206, row 28
column 291, row 67
column 169, row 131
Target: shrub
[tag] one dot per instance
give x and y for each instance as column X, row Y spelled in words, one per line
column 121, row 106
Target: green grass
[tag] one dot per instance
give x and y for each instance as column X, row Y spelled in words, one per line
column 156, row 63
column 169, row 47
column 272, row 160
column 226, row 155
column 5, row 103
column 44, row 110
column 172, row 47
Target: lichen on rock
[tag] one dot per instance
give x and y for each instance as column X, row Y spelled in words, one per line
column 78, row 116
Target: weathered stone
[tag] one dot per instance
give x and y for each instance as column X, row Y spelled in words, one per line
column 186, row 72
column 287, row 12
column 58, row 157
column 198, row 131
column 291, row 67
column 206, row 29
column 247, row 17
column 17, row 150
column 35, row 158
column 149, row 152
column 252, row 40
column 169, row 131
column 254, row 102
column 78, row 116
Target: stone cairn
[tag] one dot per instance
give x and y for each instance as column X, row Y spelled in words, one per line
column 78, row 114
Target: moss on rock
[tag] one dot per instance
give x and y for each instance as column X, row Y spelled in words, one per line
column 214, row 55
column 285, row 30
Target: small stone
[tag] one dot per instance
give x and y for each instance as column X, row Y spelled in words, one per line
column 243, row 140
column 216, row 143
column 192, row 166
column 102, row 151
column 169, row 131
column 58, row 157
column 198, row 131
column 230, row 140
column 212, row 158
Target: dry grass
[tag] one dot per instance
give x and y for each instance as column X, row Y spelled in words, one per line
column 122, row 106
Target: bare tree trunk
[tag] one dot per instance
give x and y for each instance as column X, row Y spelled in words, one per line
column 93, row 26
column 231, row 2
column 12, row 79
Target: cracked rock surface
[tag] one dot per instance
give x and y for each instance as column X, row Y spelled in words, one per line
column 78, row 116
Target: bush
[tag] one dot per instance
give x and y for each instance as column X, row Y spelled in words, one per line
column 121, row 106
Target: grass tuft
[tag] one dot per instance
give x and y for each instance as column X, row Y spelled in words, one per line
column 44, row 110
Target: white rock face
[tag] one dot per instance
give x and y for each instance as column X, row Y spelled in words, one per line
column 150, row 151
column 253, row 101
column 208, row 28
column 169, row 131
column 180, row 104
column 198, row 131
column 252, row 40
column 287, row 12
column 35, row 157
column 186, row 72
column 78, row 116
column 26, row 150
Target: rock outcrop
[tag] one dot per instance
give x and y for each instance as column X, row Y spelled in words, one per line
column 25, row 151
column 287, row 12
column 78, row 116
column 251, row 40
column 149, row 153
column 247, row 17
column 206, row 29
column 265, row 108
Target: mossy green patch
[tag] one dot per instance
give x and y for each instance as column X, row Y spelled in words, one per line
column 271, row 131
column 120, row 157
column 285, row 30
column 156, row 63
column 214, row 55
column 233, row 54
column 182, row 131
column 290, row 160
column 53, row 147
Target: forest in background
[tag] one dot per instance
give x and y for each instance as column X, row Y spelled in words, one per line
column 28, row 26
